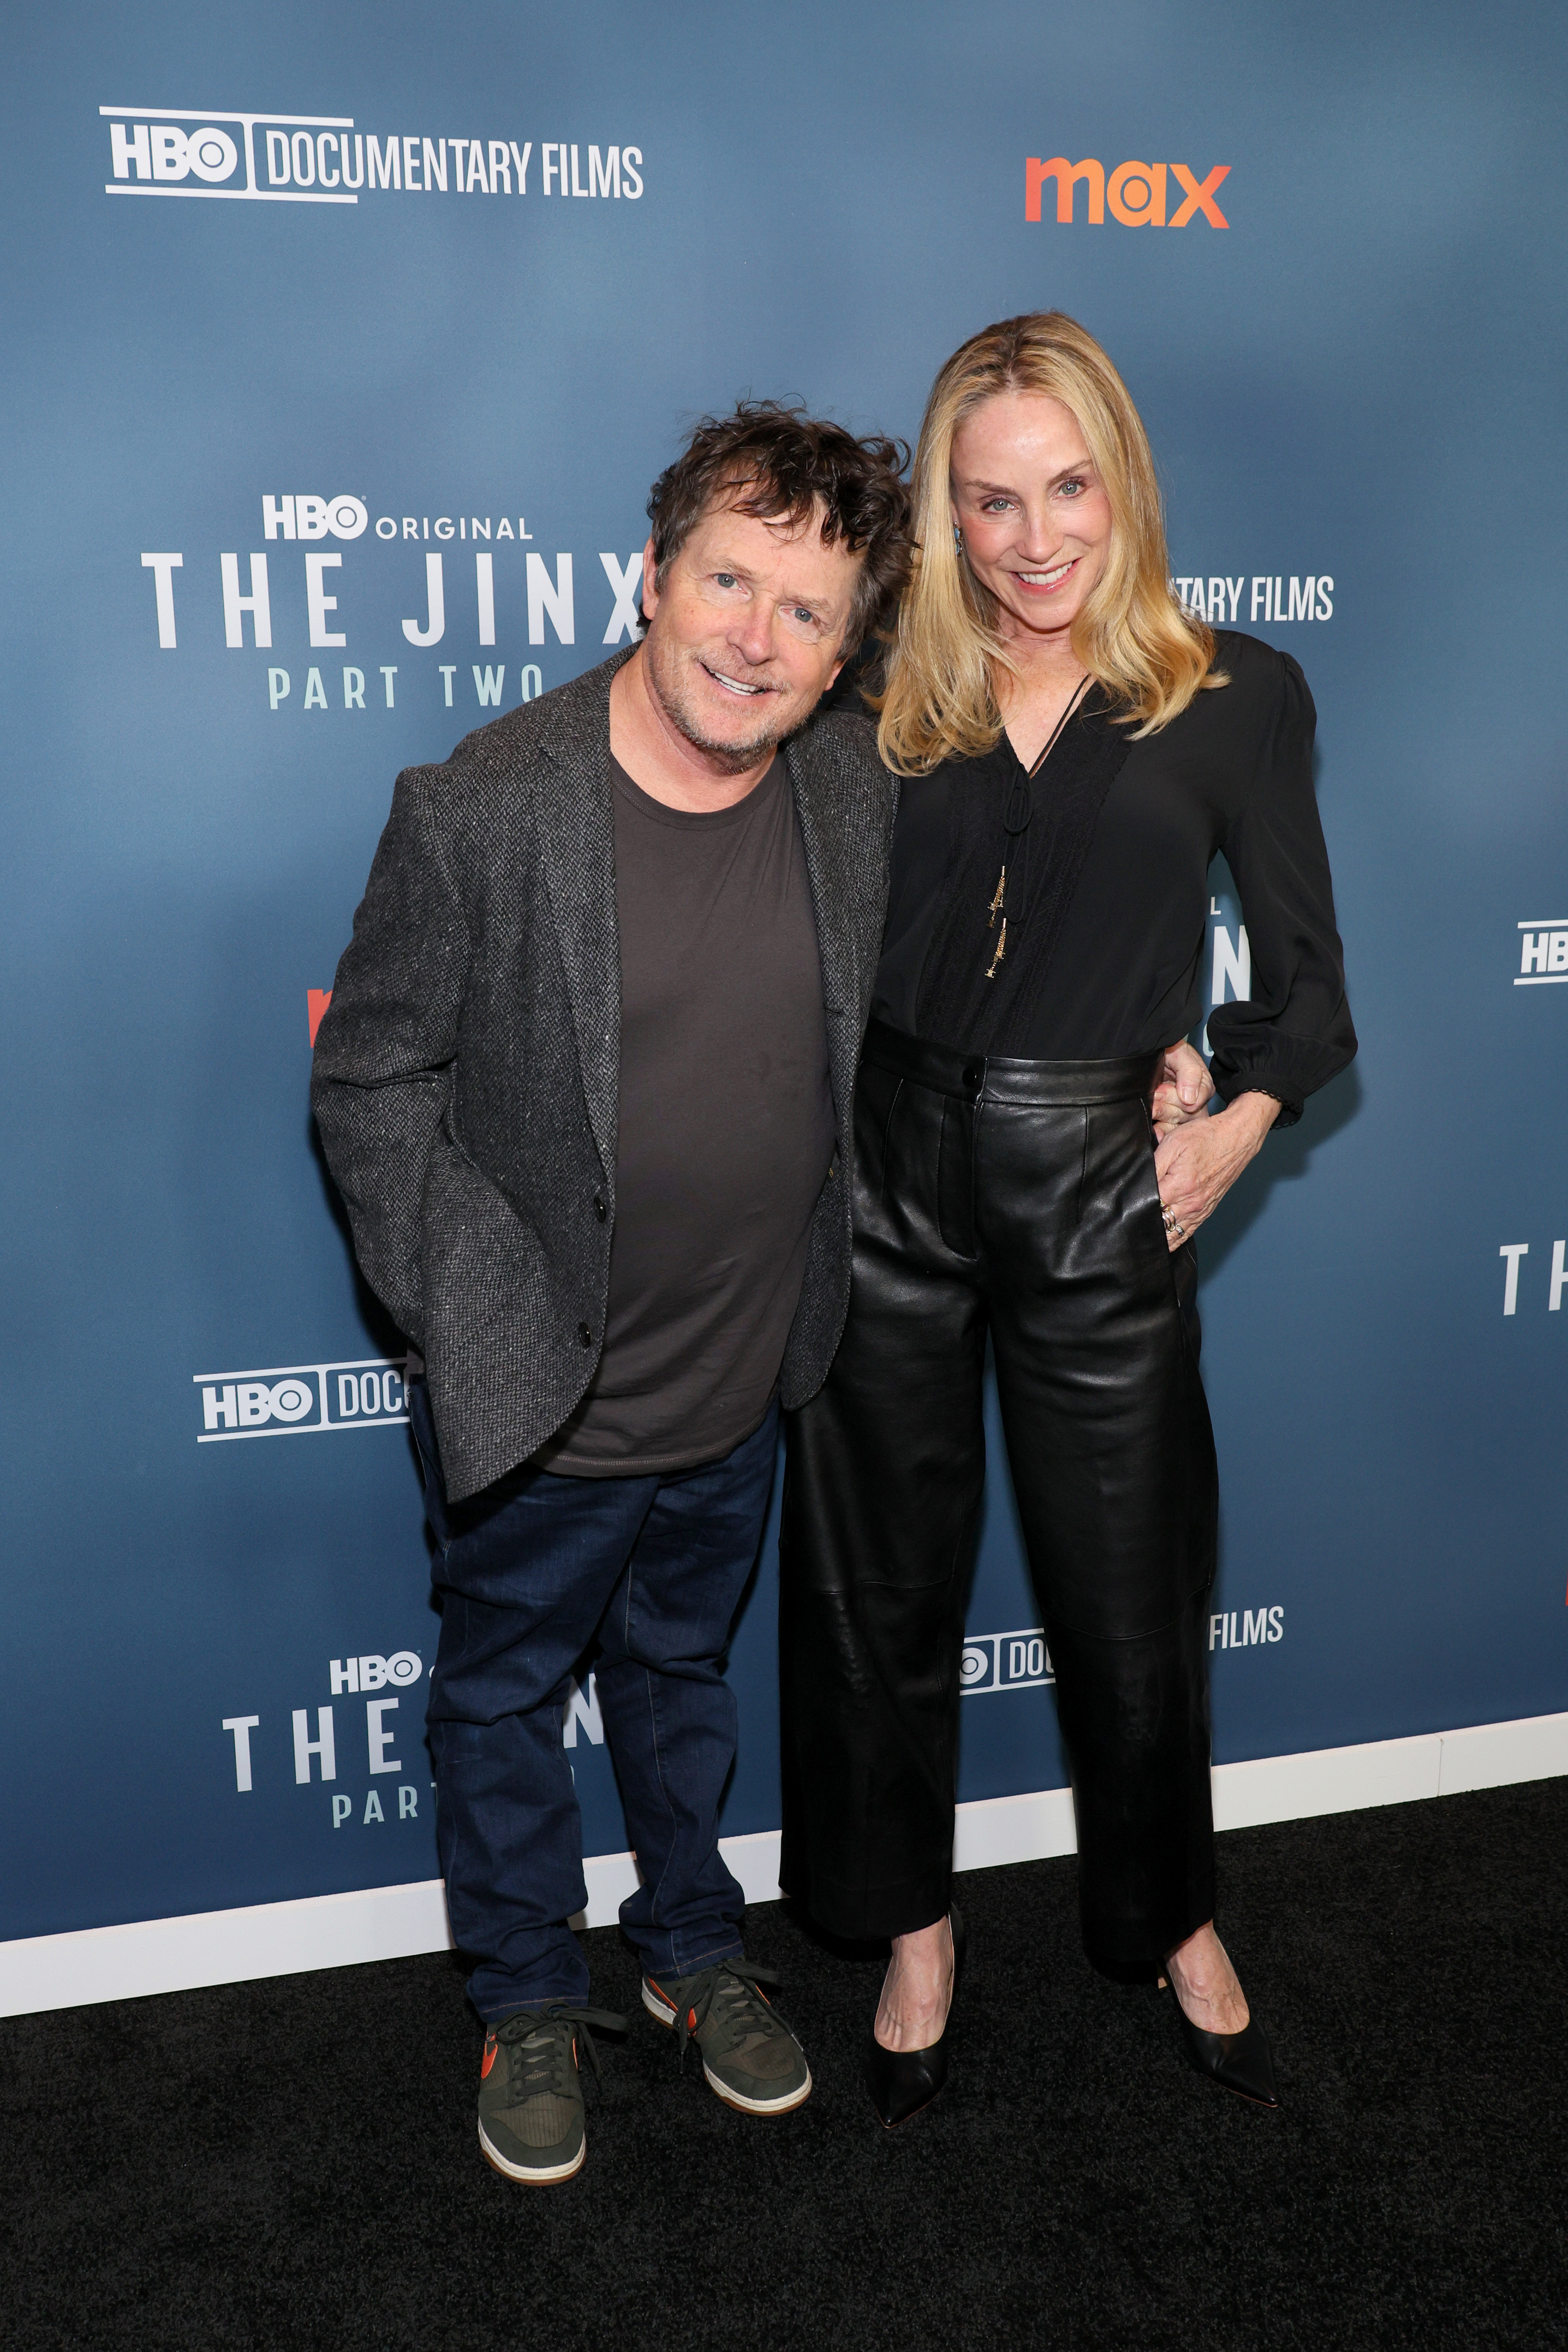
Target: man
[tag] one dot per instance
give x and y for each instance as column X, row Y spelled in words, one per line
column 587, row 1084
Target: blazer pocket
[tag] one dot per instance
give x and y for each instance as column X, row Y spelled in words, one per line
column 477, row 1247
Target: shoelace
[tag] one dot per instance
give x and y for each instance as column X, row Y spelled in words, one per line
column 547, row 2067
column 737, row 1985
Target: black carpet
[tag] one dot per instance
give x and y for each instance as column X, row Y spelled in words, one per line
column 294, row 2163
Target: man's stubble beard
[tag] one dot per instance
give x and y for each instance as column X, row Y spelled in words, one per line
column 728, row 759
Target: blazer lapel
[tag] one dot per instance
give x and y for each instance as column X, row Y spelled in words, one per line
column 575, row 816
column 824, row 839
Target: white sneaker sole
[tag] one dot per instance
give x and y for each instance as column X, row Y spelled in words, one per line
column 533, row 2176
column 657, row 2006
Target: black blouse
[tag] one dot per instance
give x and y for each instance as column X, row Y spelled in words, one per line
column 1107, row 854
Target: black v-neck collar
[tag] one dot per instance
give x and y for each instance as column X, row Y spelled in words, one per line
column 1024, row 874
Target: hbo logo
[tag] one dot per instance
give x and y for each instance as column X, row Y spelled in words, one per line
column 375, row 1672
column 250, row 1404
column 300, row 514
column 160, row 151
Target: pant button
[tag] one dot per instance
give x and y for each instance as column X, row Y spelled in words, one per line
column 585, row 1335
column 973, row 1074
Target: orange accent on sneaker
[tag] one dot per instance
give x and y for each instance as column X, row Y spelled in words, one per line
column 691, row 2021
column 488, row 2059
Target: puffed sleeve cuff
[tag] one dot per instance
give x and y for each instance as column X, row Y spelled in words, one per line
column 1288, row 1068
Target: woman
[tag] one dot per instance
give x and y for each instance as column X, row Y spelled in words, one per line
column 1075, row 750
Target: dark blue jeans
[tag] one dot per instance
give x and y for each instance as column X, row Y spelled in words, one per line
column 531, row 1572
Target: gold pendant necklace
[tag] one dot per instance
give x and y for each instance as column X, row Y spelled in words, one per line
column 999, row 901
column 996, row 905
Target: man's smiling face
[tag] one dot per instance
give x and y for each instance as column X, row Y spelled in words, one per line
column 745, row 632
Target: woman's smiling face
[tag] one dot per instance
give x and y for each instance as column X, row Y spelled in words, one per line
column 1034, row 513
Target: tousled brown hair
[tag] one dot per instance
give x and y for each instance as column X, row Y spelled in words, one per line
column 770, row 459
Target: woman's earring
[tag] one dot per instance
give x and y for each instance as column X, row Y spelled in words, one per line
column 958, row 539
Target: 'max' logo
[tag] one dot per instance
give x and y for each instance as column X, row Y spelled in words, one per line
column 1136, row 192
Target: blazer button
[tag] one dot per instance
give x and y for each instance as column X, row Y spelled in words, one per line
column 599, row 1209
column 585, row 1335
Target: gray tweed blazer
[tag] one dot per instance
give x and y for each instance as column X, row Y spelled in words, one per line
column 467, row 1070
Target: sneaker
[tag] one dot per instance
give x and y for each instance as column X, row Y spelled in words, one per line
column 530, row 2095
column 749, row 2055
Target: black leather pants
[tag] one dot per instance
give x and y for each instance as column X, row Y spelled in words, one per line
column 1017, row 1198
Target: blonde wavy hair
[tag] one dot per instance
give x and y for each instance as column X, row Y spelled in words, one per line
column 1150, row 655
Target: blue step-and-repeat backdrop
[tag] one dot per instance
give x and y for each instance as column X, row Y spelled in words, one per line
column 342, row 347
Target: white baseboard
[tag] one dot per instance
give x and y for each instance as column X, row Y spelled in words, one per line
column 207, row 1947
column 1490, row 1755
column 393, row 1922
column 1015, row 1829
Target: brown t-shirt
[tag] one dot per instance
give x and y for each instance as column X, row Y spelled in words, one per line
column 726, row 1131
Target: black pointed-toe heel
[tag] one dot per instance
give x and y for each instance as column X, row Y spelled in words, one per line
column 902, row 2082
column 1242, row 2063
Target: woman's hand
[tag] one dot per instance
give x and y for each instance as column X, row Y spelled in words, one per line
column 1184, row 1088
column 1197, row 1163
